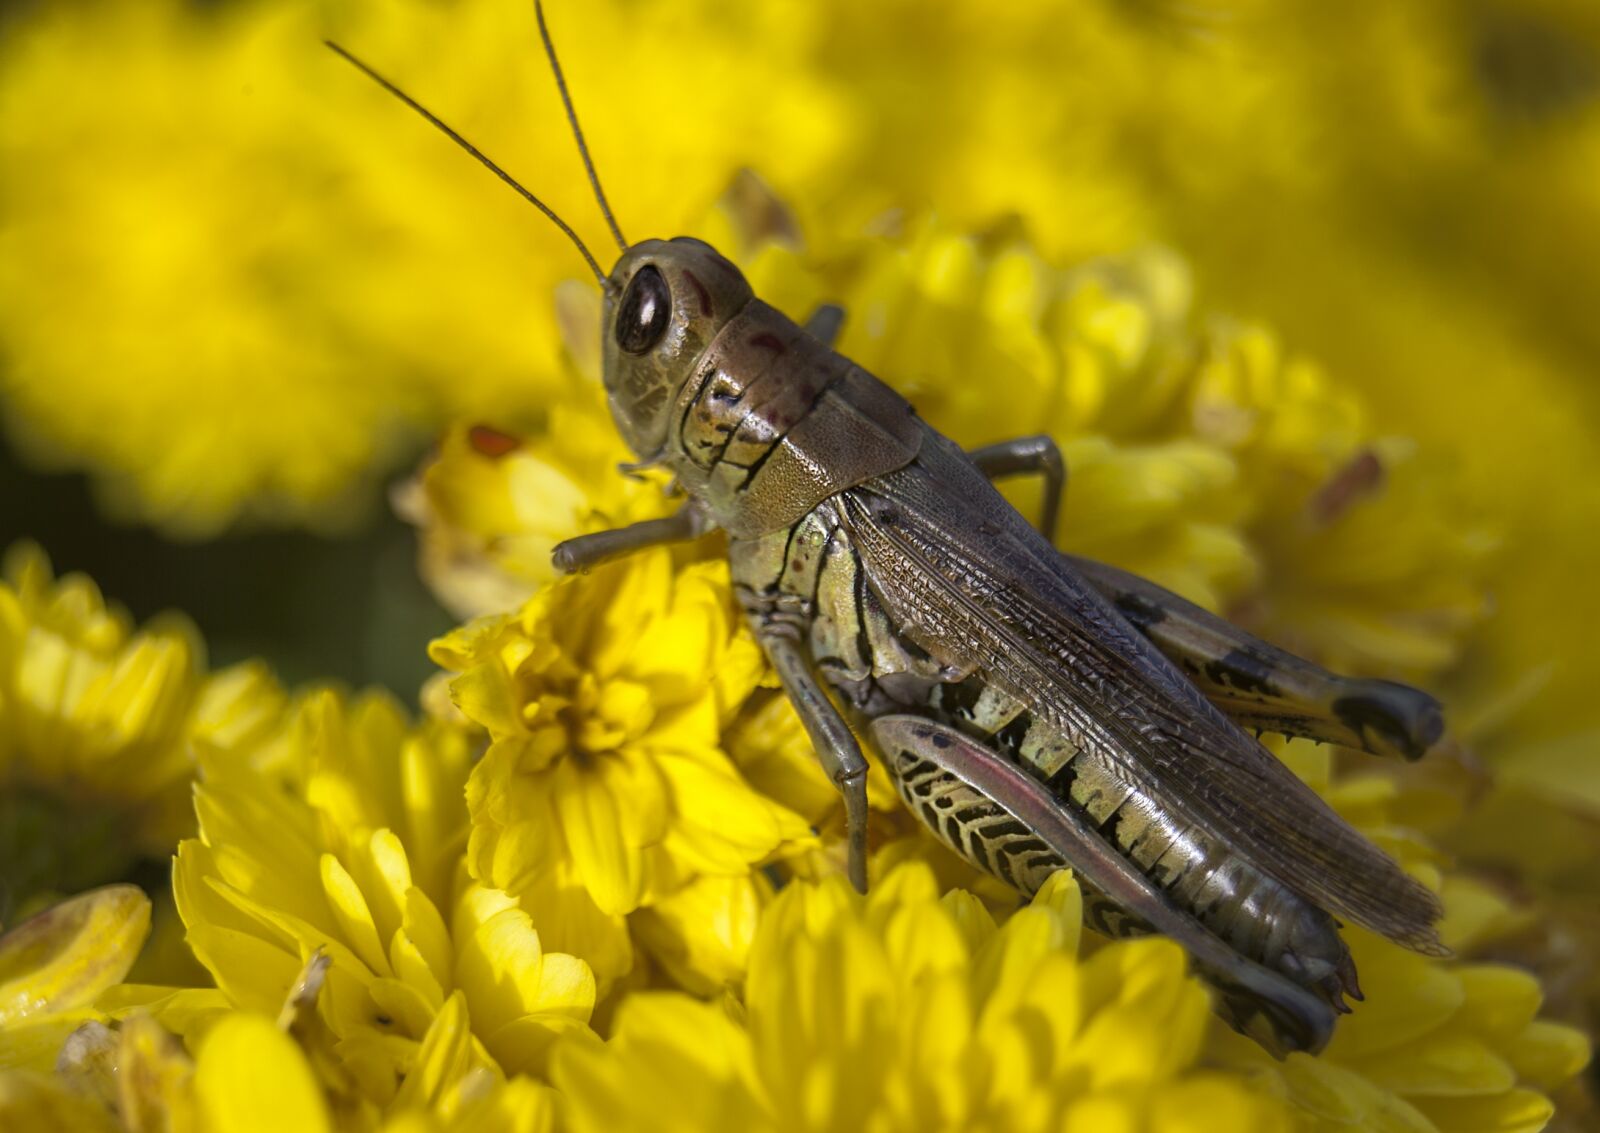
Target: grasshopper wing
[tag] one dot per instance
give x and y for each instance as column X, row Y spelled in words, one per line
column 971, row 582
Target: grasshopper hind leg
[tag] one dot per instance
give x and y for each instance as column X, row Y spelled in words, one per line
column 1007, row 823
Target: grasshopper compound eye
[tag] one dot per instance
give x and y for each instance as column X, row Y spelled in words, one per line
column 646, row 310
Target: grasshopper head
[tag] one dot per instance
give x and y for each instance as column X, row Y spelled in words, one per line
column 666, row 301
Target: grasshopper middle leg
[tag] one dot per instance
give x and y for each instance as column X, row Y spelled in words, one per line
column 836, row 746
column 825, row 323
column 1020, row 455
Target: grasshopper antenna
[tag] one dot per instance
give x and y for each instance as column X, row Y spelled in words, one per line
column 577, row 132
column 594, row 266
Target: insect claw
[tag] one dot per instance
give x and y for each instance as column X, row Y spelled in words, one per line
column 1347, row 976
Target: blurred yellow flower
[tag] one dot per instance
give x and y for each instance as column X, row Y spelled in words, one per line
column 346, row 837
column 905, row 1010
column 98, row 727
column 605, row 788
column 243, row 283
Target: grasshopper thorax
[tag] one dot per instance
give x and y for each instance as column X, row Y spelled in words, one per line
column 666, row 301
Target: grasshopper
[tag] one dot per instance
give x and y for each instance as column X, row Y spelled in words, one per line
column 1037, row 711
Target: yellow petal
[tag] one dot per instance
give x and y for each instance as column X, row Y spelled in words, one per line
column 722, row 824
column 1205, row 1104
column 443, row 1059
column 1500, row 1000
column 354, row 918
column 520, row 1106
column 1347, row 1100
column 250, row 1077
column 1517, row 1111
column 70, row 953
column 421, row 951
column 1443, row 1065
column 1548, row 1054
column 1406, row 996
column 523, row 1045
column 626, row 1084
column 608, row 857
column 570, row 922
column 502, row 968
column 485, row 694
column 702, row 933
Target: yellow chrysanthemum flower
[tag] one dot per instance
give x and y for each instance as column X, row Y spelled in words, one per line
column 905, row 1010
column 345, row 836
column 606, row 789
column 99, row 723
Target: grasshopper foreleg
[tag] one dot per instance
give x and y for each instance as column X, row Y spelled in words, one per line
column 585, row 551
column 825, row 323
column 1038, row 454
column 1267, row 689
column 837, row 749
